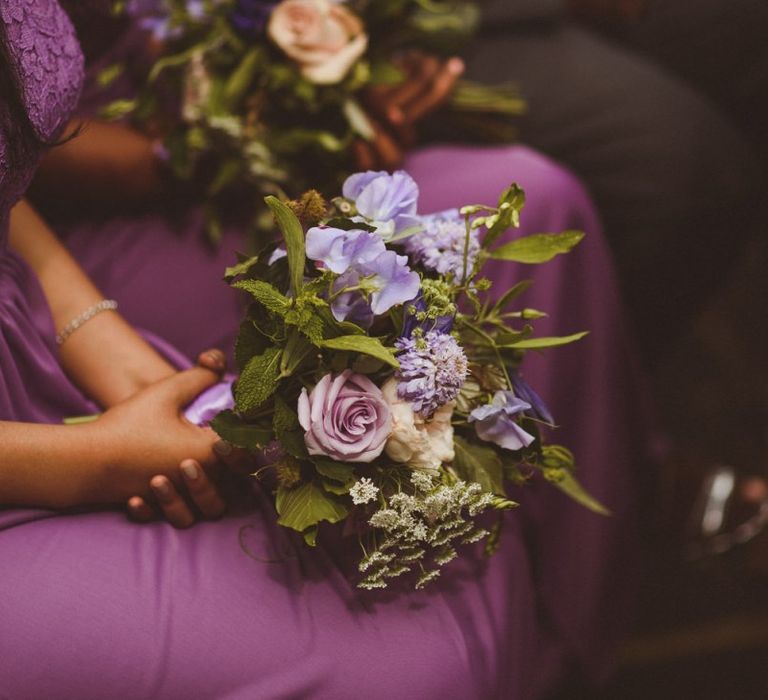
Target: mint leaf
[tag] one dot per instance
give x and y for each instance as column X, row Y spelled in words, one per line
column 539, row 248
column 249, row 342
column 306, row 506
column 480, row 464
column 362, row 344
column 232, row 428
column 293, row 235
column 258, row 380
column 269, row 297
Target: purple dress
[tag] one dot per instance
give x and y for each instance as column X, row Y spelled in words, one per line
column 92, row 606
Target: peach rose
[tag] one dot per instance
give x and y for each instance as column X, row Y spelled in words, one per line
column 323, row 37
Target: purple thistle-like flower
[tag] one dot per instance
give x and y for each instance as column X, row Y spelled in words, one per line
column 432, row 371
column 525, row 392
column 440, row 245
column 495, row 422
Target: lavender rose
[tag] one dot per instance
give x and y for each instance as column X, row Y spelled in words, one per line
column 345, row 417
column 324, row 38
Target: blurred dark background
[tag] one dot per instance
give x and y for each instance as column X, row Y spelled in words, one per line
column 661, row 107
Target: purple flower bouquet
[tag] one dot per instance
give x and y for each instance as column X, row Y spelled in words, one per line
column 381, row 381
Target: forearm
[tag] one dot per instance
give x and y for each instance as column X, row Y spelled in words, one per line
column 50, row 466
column 106, row 357
column 105, row 164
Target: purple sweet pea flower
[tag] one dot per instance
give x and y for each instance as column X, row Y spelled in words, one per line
column 211, row 402
column 339, row 250
column 494, row 421
column 345, row 417
column 386, row 201
column 525, row 392
column 361, row 257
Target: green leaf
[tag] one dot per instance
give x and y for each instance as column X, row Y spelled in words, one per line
column 511, row 203
column 306, row 506
column 336, row 471
column 250, row 342
column 541, row 343
column 293, row 235
column 240, row 79
column 511, row 294
column 287, row 429
column 232, row 428
column 362, row 344
column 258, row 380
column 480, row 464
column 571, row 487
column 241, row 268
column 266, row 295
column 539, row 248
column 118, row 109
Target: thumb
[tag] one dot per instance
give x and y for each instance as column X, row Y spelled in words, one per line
column 183, row 387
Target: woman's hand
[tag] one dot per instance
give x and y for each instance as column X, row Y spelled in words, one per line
column 395, row 111
column 198, row 496
column 148, row 436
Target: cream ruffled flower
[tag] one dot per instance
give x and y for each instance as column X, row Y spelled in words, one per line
column 414, row 441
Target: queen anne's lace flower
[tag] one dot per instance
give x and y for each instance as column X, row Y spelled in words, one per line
column 432, row 371
column 363, row 492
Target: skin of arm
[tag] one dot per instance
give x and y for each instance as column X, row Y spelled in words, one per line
column 105, row 357
column 108, row 163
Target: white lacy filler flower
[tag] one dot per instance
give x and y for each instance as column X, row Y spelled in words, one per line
column 416, row 442
column 323, row 37
column 363, row 492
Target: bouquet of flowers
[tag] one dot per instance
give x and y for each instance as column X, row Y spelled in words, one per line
column 260, row 96
column 380, row 383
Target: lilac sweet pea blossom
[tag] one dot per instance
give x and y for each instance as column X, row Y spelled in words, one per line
column 525, row 392
column 386, row 201
column 494, row 422
column 361, row 258
column 345, row 417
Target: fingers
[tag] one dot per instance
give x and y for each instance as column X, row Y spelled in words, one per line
column 201, row 491
column 139, row 510
column 183, row 387
column 237, row 460
column 436, row 93
column 175, row 509
column 421, row 70
column 382, row 152
column 213, row 359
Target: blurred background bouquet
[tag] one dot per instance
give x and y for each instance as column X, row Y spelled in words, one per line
column 251, row 97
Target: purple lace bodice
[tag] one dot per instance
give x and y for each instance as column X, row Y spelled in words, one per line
column 50, row 65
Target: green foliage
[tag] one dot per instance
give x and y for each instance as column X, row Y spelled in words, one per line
column 232, row 428
column 541, row 343
column 557, row 465
column 341, row 472
column 304, row 507
column 266, row 295
column 478, row 463
column 511, row 203
column 249, row 342
column 287, row 429
column 539, row 248
column 293, row 235
column 258, row 380
column 363, row 344
column 511, row 294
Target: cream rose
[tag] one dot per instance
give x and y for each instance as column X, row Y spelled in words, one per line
column 414, row 441
column 323, row 37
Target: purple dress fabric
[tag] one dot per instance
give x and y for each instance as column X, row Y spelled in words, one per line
column 92, row 606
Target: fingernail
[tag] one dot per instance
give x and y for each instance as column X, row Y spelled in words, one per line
column 395, row 115
column 162, row 487
column 455, row 66
column 222, row 448
column 134, row 503
column 190, row 470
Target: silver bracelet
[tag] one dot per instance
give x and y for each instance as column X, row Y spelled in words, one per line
column 83, row 318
